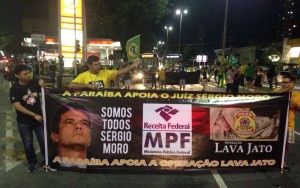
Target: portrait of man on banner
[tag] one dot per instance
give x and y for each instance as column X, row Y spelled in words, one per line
column 70, row 131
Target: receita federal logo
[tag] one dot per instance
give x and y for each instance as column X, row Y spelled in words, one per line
column 166, row 112
column 167, row 129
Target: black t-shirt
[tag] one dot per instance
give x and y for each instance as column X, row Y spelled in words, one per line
column 28, row 96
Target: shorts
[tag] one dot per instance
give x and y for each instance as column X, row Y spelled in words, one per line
column 127, row 82
column 181, row 82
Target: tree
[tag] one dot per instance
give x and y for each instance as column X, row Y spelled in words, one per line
column 10, row 43
column 123, row 19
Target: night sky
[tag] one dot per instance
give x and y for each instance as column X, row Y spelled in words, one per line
column 249, row 21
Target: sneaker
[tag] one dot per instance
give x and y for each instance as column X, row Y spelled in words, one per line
column 31, row 169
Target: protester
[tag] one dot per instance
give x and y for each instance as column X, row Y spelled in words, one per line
column 182, row 79
column 229, row 79
column 242, row 75
column 162, row 78
column 24, row 95
column 153, row 79
column 270, row 75
column 127, row 80
column 70, row 131
column 249, row 72
column 288, row 84
column 95, row 78
column 258, row 80
column 221, row 72
column 236, row 81
column 204, row 77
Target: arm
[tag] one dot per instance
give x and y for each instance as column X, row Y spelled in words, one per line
column 127, row 69
column 75, row 85
column 24, row 110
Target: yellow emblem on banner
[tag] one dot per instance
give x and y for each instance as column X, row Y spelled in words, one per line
column 244, row 124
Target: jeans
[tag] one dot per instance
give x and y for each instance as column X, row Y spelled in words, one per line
column 270, row 81
column 26, row 132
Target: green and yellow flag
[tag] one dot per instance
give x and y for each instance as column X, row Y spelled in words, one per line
column 133, row 48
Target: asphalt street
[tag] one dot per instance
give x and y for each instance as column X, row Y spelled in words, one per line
column 13, row 168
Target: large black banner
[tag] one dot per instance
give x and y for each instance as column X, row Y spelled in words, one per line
column 164, row 129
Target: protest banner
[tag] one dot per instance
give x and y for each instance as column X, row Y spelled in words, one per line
column 134, row 129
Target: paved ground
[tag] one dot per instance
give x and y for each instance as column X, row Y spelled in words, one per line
column 13, row 169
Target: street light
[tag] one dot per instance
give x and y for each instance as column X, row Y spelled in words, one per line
column 168, row 29
column 179, row 12
column 161, row 43
column 154, row 49
column 224, row 32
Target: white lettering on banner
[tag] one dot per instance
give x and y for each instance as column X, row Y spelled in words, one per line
column 115, row 148
column 234, row 148
column 116, row 112
column 116, row 132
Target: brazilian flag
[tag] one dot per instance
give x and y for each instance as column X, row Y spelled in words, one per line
column 133, row 48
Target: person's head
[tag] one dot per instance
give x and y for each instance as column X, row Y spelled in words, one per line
column 288, row 81
column 22, row 72
column 93, row 64
column 70, row 130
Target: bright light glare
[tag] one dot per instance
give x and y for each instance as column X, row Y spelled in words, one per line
column 185, row 11
column 178, row 11
column 295, row 52
column 140, row 75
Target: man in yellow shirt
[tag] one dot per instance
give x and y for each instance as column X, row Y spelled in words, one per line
column 242, row 74
column 288, row 84
column 96, row 79
column 162, row 78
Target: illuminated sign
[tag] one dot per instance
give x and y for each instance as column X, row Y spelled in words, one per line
column 68, row 8
column 71, row 27
column 148, row 55
column 173, row 56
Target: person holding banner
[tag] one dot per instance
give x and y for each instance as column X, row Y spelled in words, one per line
column 70, row 131
column 24, row 95
column 287, row 85
column 96, row 79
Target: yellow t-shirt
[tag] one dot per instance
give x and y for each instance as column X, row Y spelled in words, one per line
column 242, row 69
column 162, row 75
column 292, row 111
column 101, row 79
